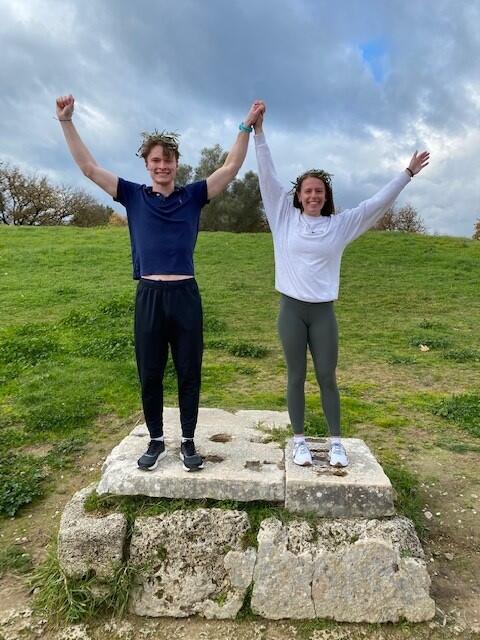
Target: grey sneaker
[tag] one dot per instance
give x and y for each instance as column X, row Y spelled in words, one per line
column 302, row 455
column 192, row 461
column 338, row 455
column 152, row 456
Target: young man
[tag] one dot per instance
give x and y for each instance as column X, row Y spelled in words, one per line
column 163, row 222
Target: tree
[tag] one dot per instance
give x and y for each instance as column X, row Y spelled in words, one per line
column 238, row 208
column 476, row 230
column 184, row 175
column 90, row 213
column 32, row 200
column 405, row 219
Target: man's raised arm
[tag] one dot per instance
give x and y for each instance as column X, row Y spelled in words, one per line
column 82, row 156
column 221, row 178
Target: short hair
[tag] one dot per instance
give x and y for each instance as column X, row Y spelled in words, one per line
column 166, row 139
column 328, row 208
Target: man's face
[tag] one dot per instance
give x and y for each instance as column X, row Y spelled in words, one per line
column 162, row 166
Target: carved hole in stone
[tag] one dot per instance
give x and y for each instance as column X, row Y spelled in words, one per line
column 213, row 458
column 253, row 465
column 395, row 567
column 221, row 437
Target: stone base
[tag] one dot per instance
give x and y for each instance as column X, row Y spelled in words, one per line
column 239, row 465
column 196, row 562
column 361, row 490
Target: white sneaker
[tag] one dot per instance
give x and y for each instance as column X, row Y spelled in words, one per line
column 301, row 454
column 337, row 455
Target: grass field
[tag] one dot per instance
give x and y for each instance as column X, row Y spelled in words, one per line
column 69, row 388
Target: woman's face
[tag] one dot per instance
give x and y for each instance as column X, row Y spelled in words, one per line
column 312, row 195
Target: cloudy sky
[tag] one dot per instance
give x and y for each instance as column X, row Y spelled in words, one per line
column 352, row 87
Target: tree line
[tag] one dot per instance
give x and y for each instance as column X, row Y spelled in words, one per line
column 33, row 200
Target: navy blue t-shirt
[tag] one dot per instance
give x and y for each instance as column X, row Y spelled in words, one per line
column 163, row 230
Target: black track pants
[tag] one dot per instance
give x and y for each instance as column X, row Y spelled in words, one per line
column 169, row 313
column 313, row 324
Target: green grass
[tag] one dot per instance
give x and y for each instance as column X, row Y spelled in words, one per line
column 67, row 359
column 15, row 559
column 68, row 600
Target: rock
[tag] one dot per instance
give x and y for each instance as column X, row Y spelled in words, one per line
column 238, row 464
column 282, row 579
column 88, row 544
column 362, row 490
column 352, row 571
column 191, row 562
column 370, row 582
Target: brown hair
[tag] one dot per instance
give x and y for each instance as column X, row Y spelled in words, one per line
column 166, row 139
column 328, row 208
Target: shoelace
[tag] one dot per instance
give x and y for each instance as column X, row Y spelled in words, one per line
column 338, row 449
column 302, row 449
column 153, row 447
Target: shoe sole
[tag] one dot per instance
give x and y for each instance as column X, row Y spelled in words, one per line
column 303, row 464
column 337, row 465
column 154, row 465
column 200, row 466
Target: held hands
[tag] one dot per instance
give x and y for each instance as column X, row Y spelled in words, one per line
column 256, row 111
column 419, row 162
column 65, row 105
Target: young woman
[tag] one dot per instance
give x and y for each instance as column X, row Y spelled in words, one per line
column 309, row 241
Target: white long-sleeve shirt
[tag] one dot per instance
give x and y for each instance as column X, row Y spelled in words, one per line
column 308, row 250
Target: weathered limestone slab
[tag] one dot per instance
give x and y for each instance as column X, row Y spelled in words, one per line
column 282, row 579
column 348, row 570
column 238, row 464
column 88, row 544
column 191, row 562
column 360, row 490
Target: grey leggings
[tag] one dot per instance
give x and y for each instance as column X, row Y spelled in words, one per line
column 313, row 324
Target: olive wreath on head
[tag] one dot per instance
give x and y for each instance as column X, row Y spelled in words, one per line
column 312, row 173
column 168, row 139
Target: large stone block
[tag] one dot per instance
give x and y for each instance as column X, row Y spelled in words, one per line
column 360, row 490
column 282, row 579
column 348, row 570
column 87, row 544
column 191, row 562
column 238, row 464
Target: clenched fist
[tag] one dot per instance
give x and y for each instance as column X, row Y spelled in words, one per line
column 65, row 106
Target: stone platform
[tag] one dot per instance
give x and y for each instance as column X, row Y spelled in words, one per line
column 239, row 464
column 243, row 464
column 362, row 490
column 200, row 562
column 351, row 560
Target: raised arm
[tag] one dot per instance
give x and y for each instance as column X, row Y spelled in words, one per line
column 272, row 190
column 82, row 156
column 354, row 222
column 221, row 178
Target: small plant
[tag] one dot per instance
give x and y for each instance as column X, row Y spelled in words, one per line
column 462, row 409
column 401, row 359
column 213, row 325
column 238, row 349
column 407, row 498
column 107, row 347
column 14, row 558
column 462, row 355
column 70, row 600
column 21, row 480
column 432, row 342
